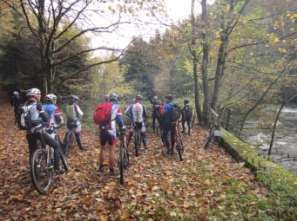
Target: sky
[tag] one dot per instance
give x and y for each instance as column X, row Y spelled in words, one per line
column 176, row 10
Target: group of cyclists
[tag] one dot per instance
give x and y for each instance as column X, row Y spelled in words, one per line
column 39, row 119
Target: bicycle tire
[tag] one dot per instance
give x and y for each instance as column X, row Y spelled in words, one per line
column 41, row 155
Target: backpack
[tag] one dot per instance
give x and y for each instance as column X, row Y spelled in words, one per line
column 102, row 114
column 25, row 118
column 129, row 113
column 187, row 113
column 71, row 114
column 175, row 113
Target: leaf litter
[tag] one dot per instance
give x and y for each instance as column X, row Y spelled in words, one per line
column 207, row 185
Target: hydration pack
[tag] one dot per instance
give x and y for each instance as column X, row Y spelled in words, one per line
column 102, row 114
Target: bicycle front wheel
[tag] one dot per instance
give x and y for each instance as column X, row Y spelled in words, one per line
column 42, row 171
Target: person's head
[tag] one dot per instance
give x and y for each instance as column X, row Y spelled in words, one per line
column 113, row 97
column 138, row 98
column 155, row 98
column 15, row 93
column 168, row 98
column 51, row 98
column 73, row 99
column 106, row 98
column 186, row 102
column 33, row 94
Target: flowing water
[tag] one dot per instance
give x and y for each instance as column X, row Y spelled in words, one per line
column 285, row 144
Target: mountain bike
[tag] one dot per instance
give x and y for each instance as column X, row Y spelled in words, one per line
column 42, row 163
column 123, row 160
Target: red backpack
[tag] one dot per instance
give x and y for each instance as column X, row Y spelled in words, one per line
column 102, row 114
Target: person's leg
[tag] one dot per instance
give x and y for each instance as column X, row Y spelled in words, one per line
column 189, row 126
column 173, row 134
column 112, row 154
column 183, row 125
column 165, row 138
column 154, row 122
column 31, row 145
column 78, row 136
column 129, row 137
column 143, row 135
column 78, row 140
column 103, row 140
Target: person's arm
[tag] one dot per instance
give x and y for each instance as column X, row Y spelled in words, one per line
column 78, row 111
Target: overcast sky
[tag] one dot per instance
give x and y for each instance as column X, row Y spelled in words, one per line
column 176, row 10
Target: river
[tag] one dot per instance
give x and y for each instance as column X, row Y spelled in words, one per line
column 284, row 149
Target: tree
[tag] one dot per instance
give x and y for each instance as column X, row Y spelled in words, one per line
column 49, row 21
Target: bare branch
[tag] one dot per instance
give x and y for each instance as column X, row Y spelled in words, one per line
column 27, row 18
column 95, row 29
column 84, row 52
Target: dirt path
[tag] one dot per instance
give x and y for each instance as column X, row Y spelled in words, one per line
column 208, row 184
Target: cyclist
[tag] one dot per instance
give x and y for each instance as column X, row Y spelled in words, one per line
column 187, row 114
column 73, row 119
column 156, row 111
column 15, row 102
column 137, row 115
column 54, row 113
column 108, row 114
column 35, row 121
column 169, row 121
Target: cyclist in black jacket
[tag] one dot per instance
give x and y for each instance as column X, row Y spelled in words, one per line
column 36, row 121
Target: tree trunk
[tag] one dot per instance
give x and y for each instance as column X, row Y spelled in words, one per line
column 274, row 127
column 204, row 66
column 195, row 62
column 222, row 54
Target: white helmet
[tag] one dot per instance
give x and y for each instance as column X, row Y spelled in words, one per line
column 51, row 97
column 33, row 92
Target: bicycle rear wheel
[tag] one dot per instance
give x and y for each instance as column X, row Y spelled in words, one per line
column 42, row 171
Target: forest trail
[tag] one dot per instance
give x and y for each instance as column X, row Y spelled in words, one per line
column 207, row 184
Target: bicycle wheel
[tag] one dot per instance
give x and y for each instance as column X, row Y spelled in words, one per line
column 42, row 171
column 137, row 141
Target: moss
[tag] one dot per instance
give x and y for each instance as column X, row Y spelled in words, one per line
column 281, row 183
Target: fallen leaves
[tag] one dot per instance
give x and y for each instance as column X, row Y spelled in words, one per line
column 208, row 183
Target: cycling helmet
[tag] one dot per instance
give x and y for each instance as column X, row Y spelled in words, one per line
column 155, row 97
column 33, row 92
column 113, row 97
column 16, row 93
column 138, row 97
column 51, row 97
column 74, row 98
